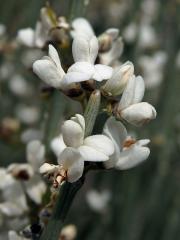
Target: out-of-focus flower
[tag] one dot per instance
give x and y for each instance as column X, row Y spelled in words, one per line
column 19, row 86
column 14, row 236
column 39, row 36
column 130, row 107
column 147, row 37
column 120, row 77
column 150, row 9
column 152, row 68
column 31, row 134
column 128, row 151
column 14, row 200
column 50, row 27
column 29, row 56
column 68, row 232
column 27, row 114
column 29, row 172
column 6, row 70
column 130, row 32
column 98, row 201
column 75, row 148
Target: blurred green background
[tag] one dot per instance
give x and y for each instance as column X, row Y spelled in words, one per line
column 145, row 201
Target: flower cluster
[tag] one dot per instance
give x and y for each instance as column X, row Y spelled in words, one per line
column 121, row 91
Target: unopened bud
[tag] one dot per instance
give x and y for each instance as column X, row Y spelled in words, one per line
column 105, row 40
column 117, row 83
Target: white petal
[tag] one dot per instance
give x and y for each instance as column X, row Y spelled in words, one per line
column 100, row 143
column 113, row 32
column 35, row 189
column 139, row 90
column 81, row 27
column 85, row 50
column 120, row 77
column 116, row 131
column 74, row 77
column 80, row 50
column 72, row 161
column 82, row 67
column 35, row 152
column 48, row 72
column 58, row 145
column 102, row 72
column 26, row 37
column 128, row 94
column 132, row 157
column 80, row 120
column 93, row 49
column 73, row 134
column 54, row 55
column 47, row 168
column 139, row 113
column 92, row 155
column 143, row 142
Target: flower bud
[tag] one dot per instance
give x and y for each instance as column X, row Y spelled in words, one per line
column 106, row 39
column 117, row 83
column 139, row 114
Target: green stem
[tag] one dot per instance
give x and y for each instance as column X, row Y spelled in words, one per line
column 64, row 202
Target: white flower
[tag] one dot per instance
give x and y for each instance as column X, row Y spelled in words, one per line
column 147, row 37
column 27, row 114
column 19, row 86
column 49, row 70
column 14, row 204
column 85, row 52
column 121, row 75
column 130, row 32
column 26, row 37
column 128, row 152
column 152, row 68
column 98, row 200
column 38, row 37
column 29, row 172
column 130, row 107
column 74, row 148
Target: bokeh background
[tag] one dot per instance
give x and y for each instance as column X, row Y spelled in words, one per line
column 138, row 204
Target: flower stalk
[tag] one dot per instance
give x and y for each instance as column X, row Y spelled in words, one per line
column 64, row 202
